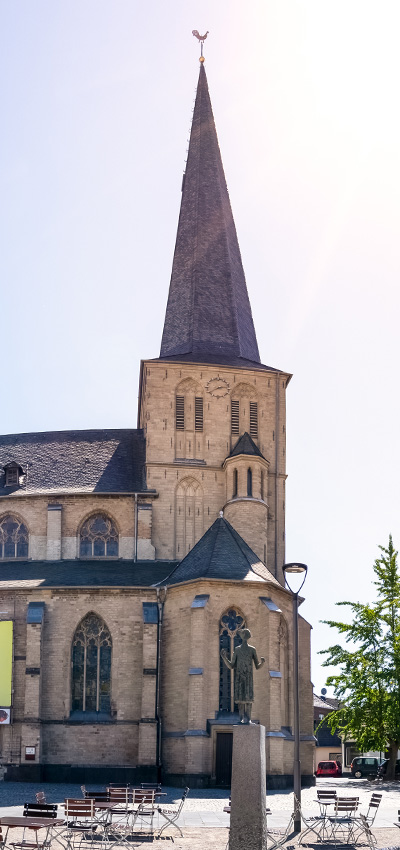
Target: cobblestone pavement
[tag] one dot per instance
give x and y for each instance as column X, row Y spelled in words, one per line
column 204, row 808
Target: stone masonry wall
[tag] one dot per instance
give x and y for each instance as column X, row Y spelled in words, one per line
column 160, row 384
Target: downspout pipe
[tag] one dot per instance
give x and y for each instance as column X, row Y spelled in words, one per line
column 136, row 528
column 160, row 605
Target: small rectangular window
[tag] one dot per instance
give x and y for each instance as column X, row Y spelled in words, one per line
column 180, row 413
column 12, row 476
column 234, row 417
column 253, row 419
column 198, row 414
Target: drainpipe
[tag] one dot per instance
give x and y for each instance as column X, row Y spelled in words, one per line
column 160, row 604
column 277, row 435
column 136, row 527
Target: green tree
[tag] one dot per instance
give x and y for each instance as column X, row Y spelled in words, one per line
column 368, row 681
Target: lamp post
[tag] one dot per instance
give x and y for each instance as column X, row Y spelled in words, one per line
column 300, row 570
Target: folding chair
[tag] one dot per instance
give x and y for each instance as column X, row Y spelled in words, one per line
column 344, row 818
column 314, row 825
column 366, row 831
column 79, row 822
column 278, row 837
column 325, row 798
column 373, row 808
column 36, row 810
column 171, row 815
column 40, row 797
column 144, row 801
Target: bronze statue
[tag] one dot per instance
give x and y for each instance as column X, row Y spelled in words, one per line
column 242, row 662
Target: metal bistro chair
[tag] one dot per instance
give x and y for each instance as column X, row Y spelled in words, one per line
column 144, row 807
column 171, row 815
column 101, row 796
column 373, row 808
column 315, row 825
column 344, row 819
column 34, row 810
column 79, row 822
column 37, row 810
column 119, row 823
column 123, row 816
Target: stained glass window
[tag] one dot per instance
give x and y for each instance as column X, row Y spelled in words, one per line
column 14, row 538
column 231, row 622
column 91, row 666
column 98, row 538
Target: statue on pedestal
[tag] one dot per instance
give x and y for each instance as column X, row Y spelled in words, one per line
column 242, row 662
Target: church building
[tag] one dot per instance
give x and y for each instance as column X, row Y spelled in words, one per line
column 130, row 558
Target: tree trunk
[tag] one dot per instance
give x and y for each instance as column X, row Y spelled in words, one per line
column 391, row 768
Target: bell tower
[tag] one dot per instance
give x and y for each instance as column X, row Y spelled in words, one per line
column 213, row 414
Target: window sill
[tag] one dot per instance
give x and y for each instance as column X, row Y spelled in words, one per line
column 90, row 717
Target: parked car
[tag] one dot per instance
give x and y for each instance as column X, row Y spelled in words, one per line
column 364, row 766
column 383, row 768
column 329, row 768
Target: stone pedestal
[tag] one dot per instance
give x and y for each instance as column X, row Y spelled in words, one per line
column 248, row 789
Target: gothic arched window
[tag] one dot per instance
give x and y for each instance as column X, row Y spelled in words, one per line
column 189, row 419
column 14, row 538
column 91, row 666
column 188, row 515
column 230, row 624
column 249, row 482
column 235, row 483
column 98, row 538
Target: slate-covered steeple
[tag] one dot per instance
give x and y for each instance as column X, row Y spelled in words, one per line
column 208, row 312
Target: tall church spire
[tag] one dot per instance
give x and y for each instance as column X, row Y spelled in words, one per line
column 208, row 312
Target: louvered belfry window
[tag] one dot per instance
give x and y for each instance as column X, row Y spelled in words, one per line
column 180, row 413
column 234, row 417
column 253, row 419
column 198, row 414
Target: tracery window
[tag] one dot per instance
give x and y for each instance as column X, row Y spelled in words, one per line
column 188, row 515
column 91, row 666
column 230, row 624
column 98, row 537
column 14, row 538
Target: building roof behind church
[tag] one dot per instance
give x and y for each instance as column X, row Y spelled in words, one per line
column 245, row 446
column 95, row 461
column 208, row 310
column 221, row 554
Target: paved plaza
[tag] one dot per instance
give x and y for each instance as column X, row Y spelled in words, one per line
column 205, row 824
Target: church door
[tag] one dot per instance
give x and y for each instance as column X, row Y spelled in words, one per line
column 223, row 766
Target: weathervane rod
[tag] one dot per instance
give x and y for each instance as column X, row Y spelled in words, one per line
column 201, row 39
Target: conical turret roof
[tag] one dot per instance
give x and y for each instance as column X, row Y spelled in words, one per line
column 221, row 554
column 208, row 312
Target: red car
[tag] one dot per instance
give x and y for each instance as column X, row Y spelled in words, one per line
column 329, row 768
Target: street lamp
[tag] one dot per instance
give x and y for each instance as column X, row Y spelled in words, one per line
column 300, row 570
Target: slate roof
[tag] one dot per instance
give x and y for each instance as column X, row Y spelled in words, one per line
column 208, row 310
column 245, row 446
column 77, row 573
column 221, row 554
column 326, row 738
column 96, row 461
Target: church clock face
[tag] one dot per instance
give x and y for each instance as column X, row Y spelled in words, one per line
column 217, row 387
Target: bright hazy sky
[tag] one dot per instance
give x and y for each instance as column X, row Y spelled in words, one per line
column 96, row 101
